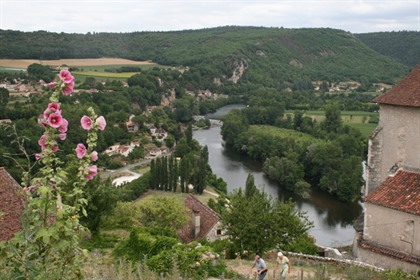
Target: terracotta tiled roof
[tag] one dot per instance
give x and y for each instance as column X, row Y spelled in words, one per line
column 405, row 93
column 400, row 192
column 388, row 252
column 208, row 219
column 11, row 205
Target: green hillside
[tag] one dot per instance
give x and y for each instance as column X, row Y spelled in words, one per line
column 403, row 46
column 269, row 56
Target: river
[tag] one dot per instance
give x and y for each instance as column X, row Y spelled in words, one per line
column 333, row 220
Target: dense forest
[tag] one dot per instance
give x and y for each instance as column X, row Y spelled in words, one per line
column 403, row 46
column 267, row 56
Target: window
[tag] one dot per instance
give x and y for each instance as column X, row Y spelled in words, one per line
column 219, row 232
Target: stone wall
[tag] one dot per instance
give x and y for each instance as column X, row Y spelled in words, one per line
column 393, row 229
column 395, row 142
column 212, row 234
column 373, row 178
column 383, row 261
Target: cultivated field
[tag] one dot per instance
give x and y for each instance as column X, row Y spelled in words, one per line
column 356, row 119
column 24, row 63
column 95, row 74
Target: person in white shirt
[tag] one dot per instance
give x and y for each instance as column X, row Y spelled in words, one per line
column 284, row 264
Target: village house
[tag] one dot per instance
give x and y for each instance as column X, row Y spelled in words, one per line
column 160, row 134
column 155, row 152
column 388, row 235
column 123, row 150
column 204, row 222
column 12, row 204
column 130, row 125
column 5, row 121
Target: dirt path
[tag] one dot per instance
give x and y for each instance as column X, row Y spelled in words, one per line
column 244, row 268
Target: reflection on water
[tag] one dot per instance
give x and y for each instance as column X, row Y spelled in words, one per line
column 332, row 219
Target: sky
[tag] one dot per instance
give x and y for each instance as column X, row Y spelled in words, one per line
column 82, row 16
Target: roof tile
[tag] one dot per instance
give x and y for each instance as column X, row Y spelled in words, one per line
column 400, row 192
column 405, row 93
column 208, row 219
column 11, row 205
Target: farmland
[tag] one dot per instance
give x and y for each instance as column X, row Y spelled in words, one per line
column 84, row 62
column 98, row 68
column 364, row 121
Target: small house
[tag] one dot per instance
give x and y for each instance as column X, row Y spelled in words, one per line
column 204, row 222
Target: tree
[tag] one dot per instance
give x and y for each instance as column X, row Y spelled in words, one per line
column 38, row 72
column 163, row 212
column 285, row 171
column 257, row 224
column 188, row 135
column 250, row 188
column 332, row 122
column 4, row 96
column 174, row 174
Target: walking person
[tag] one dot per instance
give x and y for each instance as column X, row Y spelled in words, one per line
column 284, row 264
column 261, row 267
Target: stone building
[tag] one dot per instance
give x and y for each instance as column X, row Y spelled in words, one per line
column 11, row 205
column 389, row 234
column 204, row 222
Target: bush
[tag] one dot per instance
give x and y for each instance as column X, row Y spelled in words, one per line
column 162, row 262
column 303, row 244
column 374, row 119
column 124, row 215
column 137, row 247
column 224, row 247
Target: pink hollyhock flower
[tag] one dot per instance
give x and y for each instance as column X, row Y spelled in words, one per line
column 42, row 141
column 38, row 156
column 92, row 171
column 68, row 89
column 66, row 76
column 86, row 122
column 51, row 85
column 63, row 126
column 80, row 150
column 101, row 123
column 43, row 122
column 54, row 148
column 52, row 108
column 94, row 156
column 55, row 119
column 62, row 136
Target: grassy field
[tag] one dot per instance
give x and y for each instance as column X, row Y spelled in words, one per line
column 102, row 68
column 356, row 119
column 365, row 128
column 282, row 133
column 104, row 74
column 181, row 196
column 82, row 62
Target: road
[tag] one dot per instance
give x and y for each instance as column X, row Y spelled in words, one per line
column 126, row 169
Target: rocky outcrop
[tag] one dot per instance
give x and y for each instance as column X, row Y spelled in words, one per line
column 240, row 67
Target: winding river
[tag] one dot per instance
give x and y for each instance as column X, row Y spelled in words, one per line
column 333, row 220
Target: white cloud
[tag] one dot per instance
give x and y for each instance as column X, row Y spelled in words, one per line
column 130, row 15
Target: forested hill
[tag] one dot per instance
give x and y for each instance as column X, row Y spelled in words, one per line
column 267, row 56
column 403, row 46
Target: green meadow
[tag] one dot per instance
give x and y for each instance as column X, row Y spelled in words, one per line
column 357, row 119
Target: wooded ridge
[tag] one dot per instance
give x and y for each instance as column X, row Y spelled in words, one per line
column 258, row 55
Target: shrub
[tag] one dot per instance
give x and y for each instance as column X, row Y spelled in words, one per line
column 302, row 244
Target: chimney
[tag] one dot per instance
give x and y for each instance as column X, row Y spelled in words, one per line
column 196, row 223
